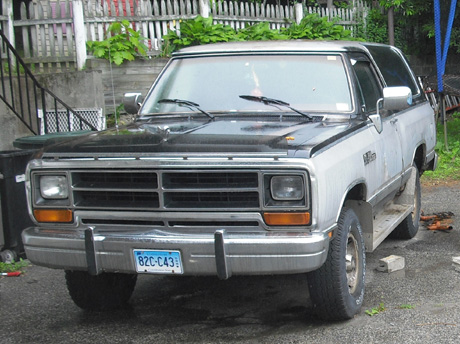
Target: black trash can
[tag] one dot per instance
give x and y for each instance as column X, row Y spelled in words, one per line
column 14, row 216
column 40, row 141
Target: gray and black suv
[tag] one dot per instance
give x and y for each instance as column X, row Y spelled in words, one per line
column 244, row 159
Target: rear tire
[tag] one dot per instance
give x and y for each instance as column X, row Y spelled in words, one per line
column 408, row 228
column 106, row 291
column 337, row 288
column 8, row 256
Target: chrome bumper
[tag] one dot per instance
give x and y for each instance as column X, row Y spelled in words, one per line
column 221, row 253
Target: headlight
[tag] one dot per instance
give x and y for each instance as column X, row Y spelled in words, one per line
column 287, row 188
column 54, row 187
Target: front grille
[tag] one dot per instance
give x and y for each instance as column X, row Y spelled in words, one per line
column 118, row 179
column 212, row 200
column 165, row 190
column 209, row 180
column 116, row 199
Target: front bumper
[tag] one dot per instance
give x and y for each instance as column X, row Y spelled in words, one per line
column 221, row 253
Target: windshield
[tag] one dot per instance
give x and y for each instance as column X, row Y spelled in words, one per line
column 311, row 83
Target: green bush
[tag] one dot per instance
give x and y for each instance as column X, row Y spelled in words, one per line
column 313, row 26
column 195, row 32
column 449, row 158
column 376, row 27
column 202, row 31
column 121, row 44
column 260, row 32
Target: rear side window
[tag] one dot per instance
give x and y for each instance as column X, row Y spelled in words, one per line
column 394, row 68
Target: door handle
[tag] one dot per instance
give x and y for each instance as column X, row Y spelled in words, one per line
column 393, row 121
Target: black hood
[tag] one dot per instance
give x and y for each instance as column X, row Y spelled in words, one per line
column 195, row 137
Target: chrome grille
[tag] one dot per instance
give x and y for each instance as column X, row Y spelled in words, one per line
column 199, row 180
column 165, row 190
column 115, row 179
column 211, row 200
column 116, row 199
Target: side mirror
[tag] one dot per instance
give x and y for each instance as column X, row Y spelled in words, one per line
column 132, row 102
column 394, row 99
column 397, row 98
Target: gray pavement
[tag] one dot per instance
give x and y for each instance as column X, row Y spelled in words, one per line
column 422, row 302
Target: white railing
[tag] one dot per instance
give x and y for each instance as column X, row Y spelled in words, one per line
column 53, row 34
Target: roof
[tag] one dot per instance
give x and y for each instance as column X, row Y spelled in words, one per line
column 277, row 46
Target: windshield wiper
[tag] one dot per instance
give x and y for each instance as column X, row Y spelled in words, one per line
column 187, row 104
column 271, row 101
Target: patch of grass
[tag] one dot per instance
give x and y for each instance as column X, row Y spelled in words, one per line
column 406, row 306
column 376, row 310
column 449, row 159
column 14, row 266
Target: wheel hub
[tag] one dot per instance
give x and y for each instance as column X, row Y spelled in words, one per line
column 352, row 263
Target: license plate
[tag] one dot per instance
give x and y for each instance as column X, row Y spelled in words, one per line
column 158, row 262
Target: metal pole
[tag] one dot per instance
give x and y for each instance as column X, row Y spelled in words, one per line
column 442, row 103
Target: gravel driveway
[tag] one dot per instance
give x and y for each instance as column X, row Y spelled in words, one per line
column 422, row 302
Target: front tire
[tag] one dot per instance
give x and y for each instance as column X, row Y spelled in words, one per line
column 106, row 291
column 337, row 288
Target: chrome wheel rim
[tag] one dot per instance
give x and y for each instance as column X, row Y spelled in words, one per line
column 352, row 262
column 415, row 211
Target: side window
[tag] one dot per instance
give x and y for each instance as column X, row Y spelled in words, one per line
column 394, row 68
column 368, row 87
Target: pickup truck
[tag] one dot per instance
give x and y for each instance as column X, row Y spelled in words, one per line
column 245, row 158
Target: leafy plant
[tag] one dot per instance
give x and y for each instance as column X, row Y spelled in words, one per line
column 14, row 266
column 312, row 26
column 202, row 31
column 407, row 7
column 113, row 118
column 376, row 27
column 376, row 310
column 260, row 32
column 197, row 31
column 122, row 43
column 341, row 4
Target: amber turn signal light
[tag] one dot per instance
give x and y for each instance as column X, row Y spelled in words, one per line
column 287, row 219
column 53, row 215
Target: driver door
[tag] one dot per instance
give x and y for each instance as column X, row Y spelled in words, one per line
column 388, row 154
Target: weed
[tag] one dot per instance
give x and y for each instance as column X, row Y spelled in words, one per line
column 449, row 159
column 376, row 310
column 122, row 44
column 112, row 119
column 406, row 306
column 14, row 266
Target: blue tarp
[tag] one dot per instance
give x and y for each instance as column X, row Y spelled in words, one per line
column 441, row 52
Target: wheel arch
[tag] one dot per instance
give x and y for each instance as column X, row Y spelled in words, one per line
column 419, row 157
column 355, row 199
column 356, row 192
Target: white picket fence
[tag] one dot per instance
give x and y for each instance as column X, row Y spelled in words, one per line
column 54, row 33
